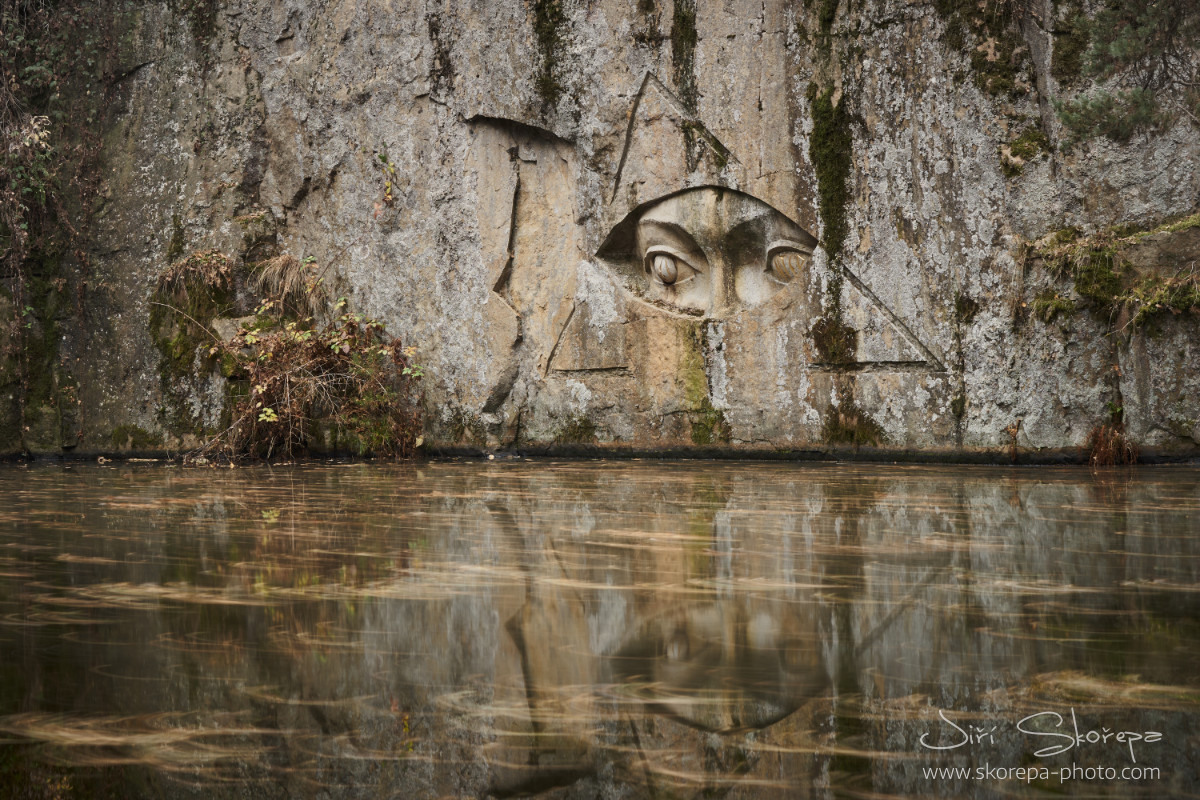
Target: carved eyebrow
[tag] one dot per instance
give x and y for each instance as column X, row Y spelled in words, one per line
column 683, row 239
column 746, row 238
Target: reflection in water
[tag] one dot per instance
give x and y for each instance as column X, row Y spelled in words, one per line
column 595, row 629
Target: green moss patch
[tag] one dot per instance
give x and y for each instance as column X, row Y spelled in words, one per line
column 958, row 406
column 578, row 429
column 1107, row 282
column 990, row 33
column 1030, row 144
column 201, row 16
column 189, row 295
column 463, row 427
column 132, row 437
column 175, row 245
column 548, row 23
column 1049, row 304
column 965, row 308
column 1157, row 295
column 709, row 425
column 683, row 52
column 1071, row 42
column 831, row 150
column 836, row 342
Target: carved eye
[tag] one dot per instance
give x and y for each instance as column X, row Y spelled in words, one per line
column 787, row 262
column 667, row 267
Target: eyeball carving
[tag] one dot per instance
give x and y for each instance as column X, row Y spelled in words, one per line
column 788, row 264
column 664, row 269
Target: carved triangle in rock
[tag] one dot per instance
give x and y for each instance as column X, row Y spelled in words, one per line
column 667, row 148
column 882, row 339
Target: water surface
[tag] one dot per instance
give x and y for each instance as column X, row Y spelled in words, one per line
column 592, row 629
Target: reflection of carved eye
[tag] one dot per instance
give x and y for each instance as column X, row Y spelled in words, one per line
column 668, row 267
column 786, row 262
column 677, row 646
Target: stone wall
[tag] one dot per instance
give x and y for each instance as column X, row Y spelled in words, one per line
column 484, row 176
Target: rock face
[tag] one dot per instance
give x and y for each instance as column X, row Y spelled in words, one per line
column 649, row 225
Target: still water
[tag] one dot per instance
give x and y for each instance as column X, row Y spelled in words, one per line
column 593, row 629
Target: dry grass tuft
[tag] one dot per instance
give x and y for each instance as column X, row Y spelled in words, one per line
column 207, row 272
column 294, row 285
column 1107, row 445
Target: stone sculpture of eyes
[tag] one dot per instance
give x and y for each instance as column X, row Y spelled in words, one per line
column 668, row 267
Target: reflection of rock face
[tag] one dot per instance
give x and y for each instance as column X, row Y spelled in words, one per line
column 459, row 630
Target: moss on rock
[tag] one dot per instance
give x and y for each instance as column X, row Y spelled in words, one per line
column 831, row 150
column 836, row 342
column 132, row 437
column 1108, row 282
column 848, row 424
column 548, row 22
column 577, row 429
column 1049, row 304
column 683, row 52
column 990, row 33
